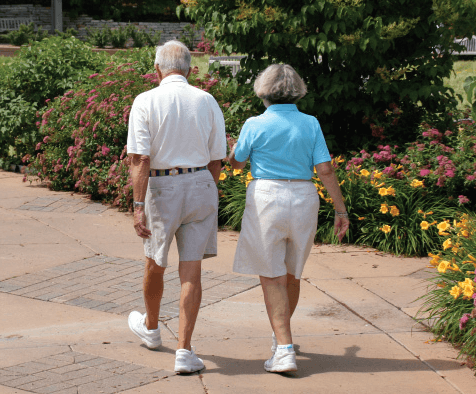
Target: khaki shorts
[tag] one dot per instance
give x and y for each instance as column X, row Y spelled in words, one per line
column 186, row 206
column 278, row 228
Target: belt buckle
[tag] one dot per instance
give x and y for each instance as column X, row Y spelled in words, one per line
column 174, row 171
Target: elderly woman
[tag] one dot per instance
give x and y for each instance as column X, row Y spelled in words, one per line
column 280, row 219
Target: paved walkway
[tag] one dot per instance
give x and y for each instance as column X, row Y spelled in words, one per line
column 70, row 271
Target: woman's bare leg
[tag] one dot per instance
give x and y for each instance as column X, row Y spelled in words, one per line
column 275, row 291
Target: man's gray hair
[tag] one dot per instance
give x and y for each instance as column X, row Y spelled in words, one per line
column 173, row 56
column 280, row 84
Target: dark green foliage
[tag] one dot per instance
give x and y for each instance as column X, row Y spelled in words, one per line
column 357, row 56
column 137, row 11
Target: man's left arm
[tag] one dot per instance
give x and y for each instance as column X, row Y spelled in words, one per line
column 215, row 167
column 140, row 167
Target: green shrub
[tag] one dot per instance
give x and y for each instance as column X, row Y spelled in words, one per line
column 449, row 306
column 99, row 37
column 40, row 72
column 119, row 37
column 26, row 34
column 142, row 38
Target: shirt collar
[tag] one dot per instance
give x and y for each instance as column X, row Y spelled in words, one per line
column 173, row 78
column 282, row 107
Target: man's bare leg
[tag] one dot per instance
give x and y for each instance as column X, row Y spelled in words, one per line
column 153, row 286
column 190, row 299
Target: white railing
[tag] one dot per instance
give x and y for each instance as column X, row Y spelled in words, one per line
column 469, row 43
column 232, row 61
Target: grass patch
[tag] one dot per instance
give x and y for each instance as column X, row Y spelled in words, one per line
column 462, row 69
column 202, row 63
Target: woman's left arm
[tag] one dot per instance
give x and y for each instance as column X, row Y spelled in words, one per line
column 236, row 165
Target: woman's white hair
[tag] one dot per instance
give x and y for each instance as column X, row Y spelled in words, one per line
column 173, row 56
column 280, row 84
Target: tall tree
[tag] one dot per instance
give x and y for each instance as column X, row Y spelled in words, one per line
column 357, row 56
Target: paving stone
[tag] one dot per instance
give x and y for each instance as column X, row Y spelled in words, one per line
column 29, row 368
column 114, row 285
column 55, row 388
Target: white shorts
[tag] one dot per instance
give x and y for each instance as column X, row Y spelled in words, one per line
column 278, row 228
column 186, row 206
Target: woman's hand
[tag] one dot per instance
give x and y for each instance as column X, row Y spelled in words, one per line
column 140, row 223
column 341, row 225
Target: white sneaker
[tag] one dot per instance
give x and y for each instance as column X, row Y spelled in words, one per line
column 186, row 361
column 283, row 360
column 151, row 338
column 274, row 345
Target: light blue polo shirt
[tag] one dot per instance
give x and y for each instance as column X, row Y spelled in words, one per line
column 282, row 143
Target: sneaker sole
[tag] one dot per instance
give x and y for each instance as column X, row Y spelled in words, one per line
column 149, row 345
column 282, row 368
column 180, row 370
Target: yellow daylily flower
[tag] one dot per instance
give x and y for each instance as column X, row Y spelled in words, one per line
column 425, row 225
column 384, row 208
column 223, row 176
column 394, row 211
column 444, row 266
column 249, row 176
column 455, row 292
column 468, row 292
column 443, row 226
column 467, row 282
column 417, row 183
column 447, row 244
column 386, row 229
column 364, row 173
column 382, row 191
column 390, row 191
column 237, row 172
column 377, row 174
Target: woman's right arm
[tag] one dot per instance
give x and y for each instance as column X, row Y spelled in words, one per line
column 326, row 173
column 236, row 165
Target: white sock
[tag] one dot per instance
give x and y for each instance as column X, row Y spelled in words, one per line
column 289, row 346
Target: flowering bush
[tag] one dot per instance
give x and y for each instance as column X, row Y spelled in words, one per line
column 445, row 161
column 450, row 304
column 207, row 46
column 390, row 214
column 41, row 71
column 84, row 132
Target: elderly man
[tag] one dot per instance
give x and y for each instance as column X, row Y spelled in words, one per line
column 177, row 141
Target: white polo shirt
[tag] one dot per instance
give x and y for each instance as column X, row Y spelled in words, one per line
column 177, row 125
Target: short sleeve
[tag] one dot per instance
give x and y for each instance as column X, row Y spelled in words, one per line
column 138, row 137
column 217, row 140
column 243, row 146
column 320, row 153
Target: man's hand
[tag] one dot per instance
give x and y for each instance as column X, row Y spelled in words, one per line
column 341, row 225
column 140, row 223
